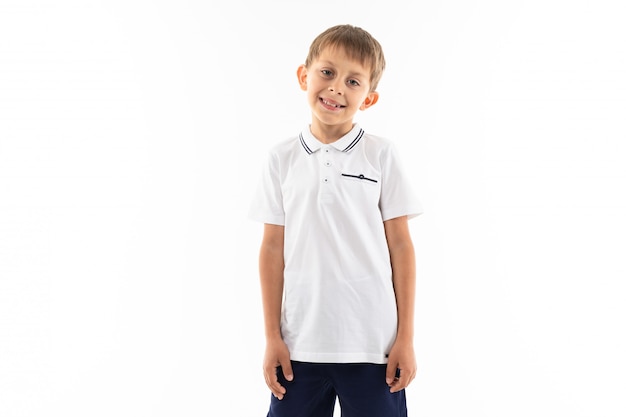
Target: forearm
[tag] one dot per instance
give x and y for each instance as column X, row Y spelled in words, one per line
column 402, row 255
column 271, row 266
column 271, row 291
column 403, row 266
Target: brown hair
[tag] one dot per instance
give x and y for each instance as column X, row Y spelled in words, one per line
column 357, row 43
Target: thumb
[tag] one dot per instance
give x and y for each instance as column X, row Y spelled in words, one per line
column 391, row 373
column 287, row 370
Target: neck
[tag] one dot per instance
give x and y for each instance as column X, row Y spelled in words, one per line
column 329, row 134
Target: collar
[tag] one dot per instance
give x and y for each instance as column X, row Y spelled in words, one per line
column 344, row 144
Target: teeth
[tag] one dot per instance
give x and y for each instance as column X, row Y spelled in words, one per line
column 331, row 104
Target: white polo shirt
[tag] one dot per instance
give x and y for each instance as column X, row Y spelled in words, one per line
column 339, row 304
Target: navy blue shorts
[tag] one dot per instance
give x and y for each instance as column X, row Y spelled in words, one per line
column 360, row 387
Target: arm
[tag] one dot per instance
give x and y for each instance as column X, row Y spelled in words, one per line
column 271, row 265
column 402, row 254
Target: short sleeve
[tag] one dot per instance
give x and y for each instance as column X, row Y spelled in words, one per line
column 397, row 195
column 267, row 203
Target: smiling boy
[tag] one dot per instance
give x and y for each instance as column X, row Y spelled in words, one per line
column 336, row 263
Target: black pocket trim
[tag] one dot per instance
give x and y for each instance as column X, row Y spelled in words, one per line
column 360, row 177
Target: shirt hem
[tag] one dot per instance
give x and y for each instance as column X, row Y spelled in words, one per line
column 315, row 357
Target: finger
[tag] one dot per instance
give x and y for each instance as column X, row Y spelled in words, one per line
column 271, row 379
column 399, row 383
column 402, row 381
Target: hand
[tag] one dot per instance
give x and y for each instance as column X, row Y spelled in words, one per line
column 276, row 354
column 402, row 357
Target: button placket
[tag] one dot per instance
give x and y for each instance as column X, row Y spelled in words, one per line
column 327, row 163
column 326, row 173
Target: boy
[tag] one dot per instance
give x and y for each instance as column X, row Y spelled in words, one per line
column 336, row 263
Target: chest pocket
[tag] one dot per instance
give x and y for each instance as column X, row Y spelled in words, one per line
column 362, row 188
column 360, row 177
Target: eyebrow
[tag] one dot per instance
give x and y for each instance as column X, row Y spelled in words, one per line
column 356, row 74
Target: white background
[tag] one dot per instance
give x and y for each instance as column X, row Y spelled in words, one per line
column 131, row 135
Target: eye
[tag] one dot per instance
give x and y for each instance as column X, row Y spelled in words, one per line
column 326, row 73
column 353, row 83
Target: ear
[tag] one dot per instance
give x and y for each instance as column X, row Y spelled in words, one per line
column 302, row 75
column 370, row 100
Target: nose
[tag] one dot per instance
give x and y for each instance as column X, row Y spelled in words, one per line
column 332, row 89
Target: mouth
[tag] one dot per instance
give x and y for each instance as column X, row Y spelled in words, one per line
column 330, row 104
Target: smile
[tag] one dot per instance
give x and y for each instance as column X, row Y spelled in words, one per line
column 331, row 104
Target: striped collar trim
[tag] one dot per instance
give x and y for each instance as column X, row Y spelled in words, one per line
column 346, row 143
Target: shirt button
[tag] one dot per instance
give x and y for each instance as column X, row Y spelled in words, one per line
column 328, row 163
column 325, row 180
column 326, row 150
